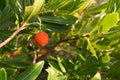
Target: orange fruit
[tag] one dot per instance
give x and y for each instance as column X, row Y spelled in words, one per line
column 43, row 51
column 41, row 38
column 16, row 53
column 8, row 55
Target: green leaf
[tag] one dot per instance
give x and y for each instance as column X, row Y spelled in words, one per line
column 55, row 27
column 54, row 65
column 113, row 6
column 31, row 73
column 34, row 10
column 106, row 58
column 88, row 70
column 110, row 7
column 54, row 74
column 83, row 6
column 56, row 20
column 98, row 8
column 114, row 71
column 21, row 4
column 91, row 48
column 3, row 74
column 5, row 15
column 13, row 5
column 2, row 4
column 109, row 21
column 28, row 11
column 3, row 64
column 65, row 4
column 18, row 64
column 10, row 72
column 61, row 65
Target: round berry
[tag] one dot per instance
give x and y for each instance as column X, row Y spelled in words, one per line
column 41, row 38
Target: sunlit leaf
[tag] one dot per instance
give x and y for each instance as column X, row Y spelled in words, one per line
column 61, row 65
column 3, row 74
column 54, row 74
column 91, row 48
column 109, row 21
column 106, row 58
column 34, row 10
column 83, row 6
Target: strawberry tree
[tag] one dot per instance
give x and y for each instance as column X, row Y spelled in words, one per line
column 79, row 38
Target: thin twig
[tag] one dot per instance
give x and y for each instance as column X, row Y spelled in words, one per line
column 65, row 40
column 78, row 47
column 35, row 57
column 84, row 10
column 79, row 17
column 39, row 22
column 13, row 35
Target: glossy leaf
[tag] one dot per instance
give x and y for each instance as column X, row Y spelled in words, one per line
column 34, row 10
column 55, row 27
column 31, row 73
column 56, row 20
column 3, row 74
column 109, row 21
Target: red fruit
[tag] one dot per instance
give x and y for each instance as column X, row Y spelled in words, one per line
column 16, row 53
column 41, row 38
column 8, row 55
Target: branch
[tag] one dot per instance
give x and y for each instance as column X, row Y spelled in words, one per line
column 65, row 40
column 35, row 52
column 35, row 57
column 13, row 35
column 85, row 9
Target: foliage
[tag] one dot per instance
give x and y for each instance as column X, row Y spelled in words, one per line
column 84, row 39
